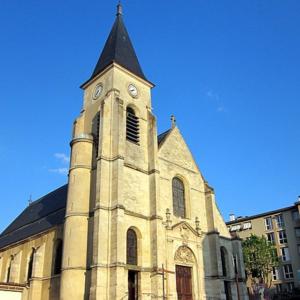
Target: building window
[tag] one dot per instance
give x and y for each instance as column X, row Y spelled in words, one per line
column 279, row 221
column 271, row 237
column 9, row 269
column 223, row 260
column 235, row 264
column 131, row 247
column 247, row 225
column 285, row 254
column 58, row 257
column 282, row 237
column 178, row 198
column 30, row 265
column 275, row 252
column 235, row 227
column 297, row 232
column 275, row 274
column 132, row 126
column 133, row 285
column 295, row 215
column 298, row 247
column 288, row 271
column 268, row 223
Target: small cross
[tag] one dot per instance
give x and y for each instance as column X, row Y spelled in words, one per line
column 173, row 121
column 119, row 9
column 30, row 200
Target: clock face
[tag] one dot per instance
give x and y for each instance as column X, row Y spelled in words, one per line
column 133, row 91
column 97, row 91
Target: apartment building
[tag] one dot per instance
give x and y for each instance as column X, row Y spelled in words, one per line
column 282, row 228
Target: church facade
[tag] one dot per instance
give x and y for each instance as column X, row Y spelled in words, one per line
column 137, row 220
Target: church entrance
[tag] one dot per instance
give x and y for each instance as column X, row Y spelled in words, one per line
column 184, row 283
column 132, row 285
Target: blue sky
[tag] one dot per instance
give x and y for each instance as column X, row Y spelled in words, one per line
column 228, row 70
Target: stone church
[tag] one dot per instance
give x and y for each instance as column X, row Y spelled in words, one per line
column 137, row 220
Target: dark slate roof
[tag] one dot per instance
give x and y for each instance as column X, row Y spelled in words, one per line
column 118, row 48
column 39, row 216
column 161, row 138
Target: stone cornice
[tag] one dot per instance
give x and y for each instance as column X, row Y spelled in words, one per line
column 84, row 137
column 128, row 212
column 88, row 167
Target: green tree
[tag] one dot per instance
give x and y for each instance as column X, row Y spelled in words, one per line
column 260, row 257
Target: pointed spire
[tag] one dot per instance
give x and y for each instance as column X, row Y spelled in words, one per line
column 118, row 48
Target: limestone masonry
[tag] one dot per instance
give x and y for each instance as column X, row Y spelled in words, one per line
column 137, row 219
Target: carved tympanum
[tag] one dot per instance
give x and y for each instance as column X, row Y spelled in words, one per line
column 184, row 255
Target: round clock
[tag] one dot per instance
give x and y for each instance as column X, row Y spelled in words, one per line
column 133, row 91
column 97, row 91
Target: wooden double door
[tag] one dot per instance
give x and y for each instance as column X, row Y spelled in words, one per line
column 184, row 283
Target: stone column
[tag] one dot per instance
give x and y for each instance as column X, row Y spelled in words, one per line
column 77, row 213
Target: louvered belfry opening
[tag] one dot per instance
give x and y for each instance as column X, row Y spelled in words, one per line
column 132, row 126
column 96, row 132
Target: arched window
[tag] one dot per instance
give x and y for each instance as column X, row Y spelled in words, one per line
column 178, row 198
column 132, row 126
column 223, row 260
column 9, row 269
column 58, row 257
column 30, row 264
column 131, row 247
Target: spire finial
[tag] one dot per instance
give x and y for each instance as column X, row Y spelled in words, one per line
column 173, row 121
column 119, row 9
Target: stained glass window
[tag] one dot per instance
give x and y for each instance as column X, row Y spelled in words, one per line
column 131, row 247
column 178, row 198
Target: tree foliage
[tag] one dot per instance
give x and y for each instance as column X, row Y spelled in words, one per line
column 259, row 257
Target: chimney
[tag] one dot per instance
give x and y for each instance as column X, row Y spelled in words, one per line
column 231, row 217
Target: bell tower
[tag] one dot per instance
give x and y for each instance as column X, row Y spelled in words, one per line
column 113, row 178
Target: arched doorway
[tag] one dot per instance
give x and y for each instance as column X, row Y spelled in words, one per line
column 184, row 261
column 132, row 261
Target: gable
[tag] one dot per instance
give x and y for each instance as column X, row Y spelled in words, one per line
column 174, row 149
column 184, row 228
